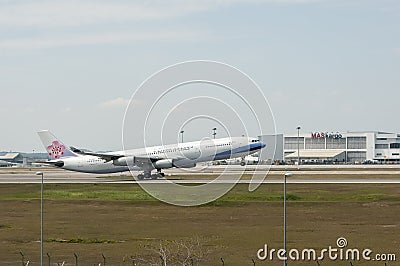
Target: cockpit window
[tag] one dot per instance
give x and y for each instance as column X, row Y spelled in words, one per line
column 255, row 140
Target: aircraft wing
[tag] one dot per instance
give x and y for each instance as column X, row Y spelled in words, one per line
column 142, row 161
column 138, row 160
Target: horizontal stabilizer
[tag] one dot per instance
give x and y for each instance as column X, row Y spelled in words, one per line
column 53, row 163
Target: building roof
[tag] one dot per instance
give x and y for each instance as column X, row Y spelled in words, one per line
column 315, row 154
column 9, row 156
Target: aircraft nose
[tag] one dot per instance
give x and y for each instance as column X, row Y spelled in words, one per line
column 263, row 145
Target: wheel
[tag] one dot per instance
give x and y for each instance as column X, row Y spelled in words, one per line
column 154, row 176
column 242, row 163
column 140, row 176
column 159, row 173
column 147, row 175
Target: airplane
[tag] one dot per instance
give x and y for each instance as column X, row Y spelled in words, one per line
column 5, row 163
column 181, row 155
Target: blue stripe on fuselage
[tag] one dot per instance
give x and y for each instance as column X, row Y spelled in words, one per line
column 246, row 148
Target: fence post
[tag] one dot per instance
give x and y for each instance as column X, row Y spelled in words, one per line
column 223, row 262
column 351, row 263
column 48, row 256
column 76, row 259
column 318, row 263
column 22, row 258
column 104, row 259
column 254, row 263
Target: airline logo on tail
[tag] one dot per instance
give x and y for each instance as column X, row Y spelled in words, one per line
column 54, row 147
column 56, row 150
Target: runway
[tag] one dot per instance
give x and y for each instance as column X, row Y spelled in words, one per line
column 201, row 175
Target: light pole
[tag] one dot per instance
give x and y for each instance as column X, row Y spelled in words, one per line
column 182, row 131
column 284, row 216
column 41, row 219
column 215, row 133
column 298, row 145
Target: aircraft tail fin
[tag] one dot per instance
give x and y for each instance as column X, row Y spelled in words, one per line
column 54, row 147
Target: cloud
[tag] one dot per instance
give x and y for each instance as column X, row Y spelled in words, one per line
column 46, row 24
column 54, row 14
column 117, row 102
column 50, row 14
column 396, row 51
column 99, row 38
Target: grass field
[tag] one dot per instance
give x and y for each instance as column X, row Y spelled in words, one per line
column 120, row 220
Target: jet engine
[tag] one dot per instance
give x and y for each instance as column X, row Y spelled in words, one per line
column 163, row 163
column 124, row 161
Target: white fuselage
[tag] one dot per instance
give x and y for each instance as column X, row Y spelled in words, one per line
column 174, row 155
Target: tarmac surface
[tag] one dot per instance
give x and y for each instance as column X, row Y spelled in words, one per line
column 345, row 174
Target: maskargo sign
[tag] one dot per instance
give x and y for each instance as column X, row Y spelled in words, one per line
column 323, row 135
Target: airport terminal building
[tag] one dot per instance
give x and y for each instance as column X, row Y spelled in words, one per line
column 330, row 147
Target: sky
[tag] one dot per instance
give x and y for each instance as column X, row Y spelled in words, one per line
column 72, row 66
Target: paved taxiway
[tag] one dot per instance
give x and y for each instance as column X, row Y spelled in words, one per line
column 306, row 174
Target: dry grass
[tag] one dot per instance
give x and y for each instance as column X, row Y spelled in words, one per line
column 118, row 220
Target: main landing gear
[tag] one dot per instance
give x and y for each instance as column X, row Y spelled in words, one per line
column 148, row 175
column 243, row 162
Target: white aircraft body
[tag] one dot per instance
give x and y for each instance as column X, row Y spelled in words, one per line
column 5, row 163
column 181, row 155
